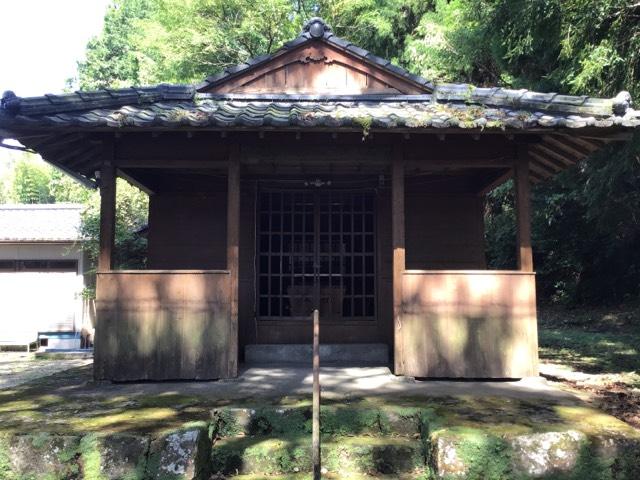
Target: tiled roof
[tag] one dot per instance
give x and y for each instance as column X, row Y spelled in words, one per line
column 450, row 106
column 58, row 222
column 61, row 127
column 316, row 29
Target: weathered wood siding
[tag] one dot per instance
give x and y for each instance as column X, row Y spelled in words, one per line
column 188, row 231
column 474, row 324
column 444, row 232
column 162, row 325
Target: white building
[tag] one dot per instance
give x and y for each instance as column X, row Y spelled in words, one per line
column 42, row 268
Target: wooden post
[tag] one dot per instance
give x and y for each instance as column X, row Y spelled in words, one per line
column 233, row 248
column 315, row 431
column 523, row 211
column 397, row 224
column 107, row 210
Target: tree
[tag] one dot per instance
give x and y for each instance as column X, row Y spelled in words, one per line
column 111, row 57
column 30, row 182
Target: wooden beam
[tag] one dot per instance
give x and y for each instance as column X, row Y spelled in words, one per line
column 546, row 161
column 453, row 162
column 132, row 162
column 540, row 170
column 83, row 158
column 136, row 183
column 586, row 144
column 554, row 153
column 233, row 249
column 523, row 211
column 496, row 183
column 398, row 241
column 107, row 209
column 572, row 150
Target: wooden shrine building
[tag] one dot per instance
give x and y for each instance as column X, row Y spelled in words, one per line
column 319, row 176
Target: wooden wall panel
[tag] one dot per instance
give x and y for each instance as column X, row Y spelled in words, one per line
column 444, row 232
column 317, row 69
column 155, row 325
column 470, row 324
column 246, row 287
column 187, row 231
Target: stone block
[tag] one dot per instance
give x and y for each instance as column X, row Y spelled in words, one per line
column 115, row 457
column 346, row 455
column 180, row 455
column 42, row 456
column 541, row 454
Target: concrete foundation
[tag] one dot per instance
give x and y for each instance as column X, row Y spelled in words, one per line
column 301, row 354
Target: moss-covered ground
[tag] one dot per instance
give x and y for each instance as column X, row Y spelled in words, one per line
column 596, row 353
column 371, row 435
column 69, row 402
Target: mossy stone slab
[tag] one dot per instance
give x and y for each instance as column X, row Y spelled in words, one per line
column 340, row 455
column 114, row 457
column 334, row 420
column 569, row 454
column 182, row 455
column 41, row 456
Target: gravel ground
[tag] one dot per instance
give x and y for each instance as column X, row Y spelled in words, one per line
column 17, row 368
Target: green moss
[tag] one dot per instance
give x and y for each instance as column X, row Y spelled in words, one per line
column 68, row 454
column 487, row 457
column 349, row 420
column 40, row 440
column 365, row 122
column 270, row 421
column 6, row 470
column 90, row 458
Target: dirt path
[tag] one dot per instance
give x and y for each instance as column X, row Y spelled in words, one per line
column 18, row 368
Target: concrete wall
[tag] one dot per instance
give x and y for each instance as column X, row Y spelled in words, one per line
column 35, row 302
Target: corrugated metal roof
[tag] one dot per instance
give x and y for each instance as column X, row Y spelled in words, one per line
column 58, row 222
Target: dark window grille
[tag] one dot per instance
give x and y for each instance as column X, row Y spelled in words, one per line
column 38, row 265
column 316, row 248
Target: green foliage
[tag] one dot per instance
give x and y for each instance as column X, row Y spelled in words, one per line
column 152, row 41
column 132, row 207
column 111, row 58
column 382, row 26
column 30, row 182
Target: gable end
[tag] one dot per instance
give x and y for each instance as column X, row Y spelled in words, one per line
column 317, row 63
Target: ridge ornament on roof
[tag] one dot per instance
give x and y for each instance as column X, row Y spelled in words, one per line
column 335, row 52
column 316, row 27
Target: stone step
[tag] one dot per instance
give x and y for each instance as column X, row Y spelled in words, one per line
column 269, row 455
column 334, row 420
column 330, row 353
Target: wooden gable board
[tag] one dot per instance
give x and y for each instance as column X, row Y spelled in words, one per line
column 316, row 68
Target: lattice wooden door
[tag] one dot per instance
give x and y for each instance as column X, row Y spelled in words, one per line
column 316, row 248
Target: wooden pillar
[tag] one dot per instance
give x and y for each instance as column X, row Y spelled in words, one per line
column 522, row 187
column 397, row 226
column 107, row 210
column 233, row 248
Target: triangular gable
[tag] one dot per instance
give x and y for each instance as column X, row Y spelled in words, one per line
column 317, row 63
